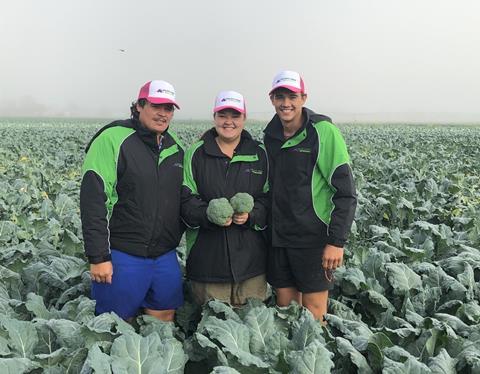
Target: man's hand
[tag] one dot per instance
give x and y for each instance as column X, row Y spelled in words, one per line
column 240, row 218
column 332, row 257
column 228, row 223
column 102, row 272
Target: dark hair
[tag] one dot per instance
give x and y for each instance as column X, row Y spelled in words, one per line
column 284, row 90
column 134, row 114
column 230, row 110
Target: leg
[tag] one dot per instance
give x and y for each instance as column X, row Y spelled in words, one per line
column 255, row 287
column 311, row 279
column 286, row 295
column 280, row 277
column 165, row 293
column 162, row 315
column 316, row 302
column 203, row 292
column 129, row 286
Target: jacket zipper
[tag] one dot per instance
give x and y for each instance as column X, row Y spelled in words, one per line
column 157, row 167
column 225, row 228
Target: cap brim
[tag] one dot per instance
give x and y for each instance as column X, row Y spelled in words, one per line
column 161, row 100
column 291, row 88
column 219, row 108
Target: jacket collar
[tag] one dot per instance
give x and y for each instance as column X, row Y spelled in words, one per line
column 147, row 136
column 245, row 147
column 274, row 128
column 150, row 137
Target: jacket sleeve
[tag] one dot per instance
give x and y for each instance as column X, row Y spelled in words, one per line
column 345, row 202
column 334, row 165
column 258, row 217
column 97, row 199
column 193, row 208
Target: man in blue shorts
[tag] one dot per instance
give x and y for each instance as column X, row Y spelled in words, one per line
column 313, row 197
column 130, row 209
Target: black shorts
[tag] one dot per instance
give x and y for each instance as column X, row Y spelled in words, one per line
column 298, row 267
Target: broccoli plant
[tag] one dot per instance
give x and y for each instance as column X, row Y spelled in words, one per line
column 242, row 202
column 219, row 211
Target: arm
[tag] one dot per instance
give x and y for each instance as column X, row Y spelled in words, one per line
column 193, row 208
column 258, row 217
column 334, row 165
column 345, row 202
column 96, row 195
column 94, row 217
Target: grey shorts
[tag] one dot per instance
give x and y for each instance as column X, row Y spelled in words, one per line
column 232, row 293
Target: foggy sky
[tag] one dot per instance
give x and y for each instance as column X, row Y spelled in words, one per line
column 387, row 60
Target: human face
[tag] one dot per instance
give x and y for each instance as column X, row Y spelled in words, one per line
column 288, row 105
column 156, row 117
column 229, row 125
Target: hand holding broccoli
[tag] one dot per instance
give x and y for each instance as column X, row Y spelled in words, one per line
column 222, row 212
column 242, row 204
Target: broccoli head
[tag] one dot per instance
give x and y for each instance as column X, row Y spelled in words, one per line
column 219, row 211
column 242, row 202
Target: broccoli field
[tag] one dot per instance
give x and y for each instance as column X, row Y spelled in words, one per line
column 406, row 301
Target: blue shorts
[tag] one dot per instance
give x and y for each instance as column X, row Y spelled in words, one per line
column 139, row 282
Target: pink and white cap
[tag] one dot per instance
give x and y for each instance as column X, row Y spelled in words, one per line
column 230, row 100
column 158, row 92
column 290, row 80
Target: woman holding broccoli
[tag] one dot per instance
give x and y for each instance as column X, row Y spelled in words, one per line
column 224, row 204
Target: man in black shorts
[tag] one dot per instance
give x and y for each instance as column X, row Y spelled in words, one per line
column 313, row 197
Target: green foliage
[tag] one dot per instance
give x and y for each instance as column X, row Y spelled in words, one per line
column 406, row 301
column 242, row 202
column 219, row 211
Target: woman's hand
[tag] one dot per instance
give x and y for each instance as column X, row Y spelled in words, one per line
column 240, row 218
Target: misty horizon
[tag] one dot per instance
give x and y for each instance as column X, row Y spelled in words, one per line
column 39, row 110
column 377, row 61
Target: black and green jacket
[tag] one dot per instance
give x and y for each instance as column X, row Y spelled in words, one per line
column 130, row 192
column 224, row 254
column 313, row 197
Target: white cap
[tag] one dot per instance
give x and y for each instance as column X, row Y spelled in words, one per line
column 158, row 92
column 290, row 80
column 230, row 100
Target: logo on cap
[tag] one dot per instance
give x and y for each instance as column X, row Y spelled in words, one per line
column 290, row 80
column 231, row 99
column 286, row 79
column 167, row 92
column 158, row 92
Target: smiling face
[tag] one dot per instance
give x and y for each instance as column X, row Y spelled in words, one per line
column 288, row 105
column 229, row 124
column 155, row 117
